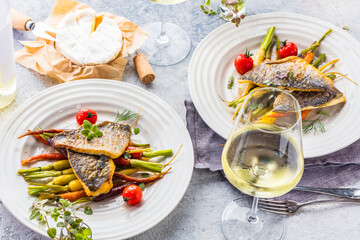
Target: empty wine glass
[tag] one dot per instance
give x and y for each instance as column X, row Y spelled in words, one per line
column 262, row 157
column 168, row 43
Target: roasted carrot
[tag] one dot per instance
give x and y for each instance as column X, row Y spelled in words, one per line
column 309, row 56
column 304, row 113
column 73, row 196
column 40, row 139
column 140, row 180
column 37, row 132
column 113, row 192
column 45, row 156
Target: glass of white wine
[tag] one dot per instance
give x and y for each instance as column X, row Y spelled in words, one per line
column 263, row 157
column 168, row 43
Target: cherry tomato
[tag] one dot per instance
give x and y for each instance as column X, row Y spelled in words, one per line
column 243, row 62
column 288, row 49
column 86, row 114
column 132, row 194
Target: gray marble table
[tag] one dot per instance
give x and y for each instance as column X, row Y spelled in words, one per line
column 198, row 214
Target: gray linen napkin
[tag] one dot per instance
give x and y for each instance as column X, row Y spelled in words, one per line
column 341, row 168
column 208, row 146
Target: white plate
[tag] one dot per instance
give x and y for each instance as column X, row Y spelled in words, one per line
column 56, row 107
column 212, row 64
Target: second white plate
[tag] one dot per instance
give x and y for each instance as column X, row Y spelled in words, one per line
column 56, row 107
column 212, row 64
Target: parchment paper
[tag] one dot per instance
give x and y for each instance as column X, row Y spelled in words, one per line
column 42, row 56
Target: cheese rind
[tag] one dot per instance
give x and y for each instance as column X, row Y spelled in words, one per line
column 78, row 41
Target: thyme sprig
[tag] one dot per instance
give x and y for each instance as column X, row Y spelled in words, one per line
column 315, row 125
column 125, row 115
column 71, row 226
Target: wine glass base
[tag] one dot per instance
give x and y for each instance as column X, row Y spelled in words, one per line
column 235, row 225
column 171, row 50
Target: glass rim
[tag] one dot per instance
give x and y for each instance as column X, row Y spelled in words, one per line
column 248, row 97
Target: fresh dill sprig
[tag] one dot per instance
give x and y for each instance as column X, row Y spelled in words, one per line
column 315, row 125
column 125, row 115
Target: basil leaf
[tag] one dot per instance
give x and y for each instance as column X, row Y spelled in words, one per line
column 98, row 134
column 90, row 137
column 87, row 125
column 85, row 132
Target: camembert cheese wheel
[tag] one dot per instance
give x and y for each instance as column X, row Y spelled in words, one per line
column 82, row 43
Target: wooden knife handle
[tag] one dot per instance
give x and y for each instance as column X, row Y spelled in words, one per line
column 19, row 20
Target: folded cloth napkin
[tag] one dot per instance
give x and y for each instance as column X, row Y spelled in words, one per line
column 341, row 168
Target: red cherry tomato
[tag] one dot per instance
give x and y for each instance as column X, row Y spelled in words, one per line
column 132, row 194
column 86, row 114
column 288, row 49
column 243, row 63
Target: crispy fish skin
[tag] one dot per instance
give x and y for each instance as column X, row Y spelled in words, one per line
column 115, row 139
column 94, row 172
column 309, row 100
column 304, row 77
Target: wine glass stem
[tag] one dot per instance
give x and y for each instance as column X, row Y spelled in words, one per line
column 252, row 217
column 163, row 40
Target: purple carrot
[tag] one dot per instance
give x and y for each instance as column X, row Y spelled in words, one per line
column 60, row 150
column 113, row 192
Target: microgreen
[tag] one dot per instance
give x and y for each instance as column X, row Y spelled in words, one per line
column 71, row 226
column 142, row 186
column 331, row 76
column 316, row 124
column 88, row 210
column 127, row 155
column 345, row 27
column 255, row 106
column 207, row 7
column 125, row 115
column 231, row 82
column 90, row 131
column 136, row 131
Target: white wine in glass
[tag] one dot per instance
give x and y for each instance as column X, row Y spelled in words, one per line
column 168, row 43
column 263, row 157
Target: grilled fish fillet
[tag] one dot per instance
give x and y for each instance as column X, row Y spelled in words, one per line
column 291, row 73
column 94, row 172
column 115, row 139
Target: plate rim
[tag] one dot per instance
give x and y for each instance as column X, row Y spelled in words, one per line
column 23, row 106
column 253, row 18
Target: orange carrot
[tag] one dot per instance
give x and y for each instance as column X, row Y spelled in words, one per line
column 304, row 113
column 309, row 56
column 276, row 115
column 45, row 156
column 73, row 196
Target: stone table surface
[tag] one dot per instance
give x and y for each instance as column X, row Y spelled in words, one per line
column 198, row 214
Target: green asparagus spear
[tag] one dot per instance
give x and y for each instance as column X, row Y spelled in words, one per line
column 59, row 165
column 318, row 60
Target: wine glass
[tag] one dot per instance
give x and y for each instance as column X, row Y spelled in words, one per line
column 168, row 43
column 263, row 157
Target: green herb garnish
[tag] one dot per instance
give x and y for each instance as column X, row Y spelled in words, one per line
column 88, row 210
column 72, row 227
column 255, row 106
column 207, row 8
column 345, row 27
column 331, row 76
column 90, row 131
column 125, row 115
column 127, row 155
column 136, row 131
column 142, row 186
column 316, row 124
column 231, row 82
column 145, row 175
